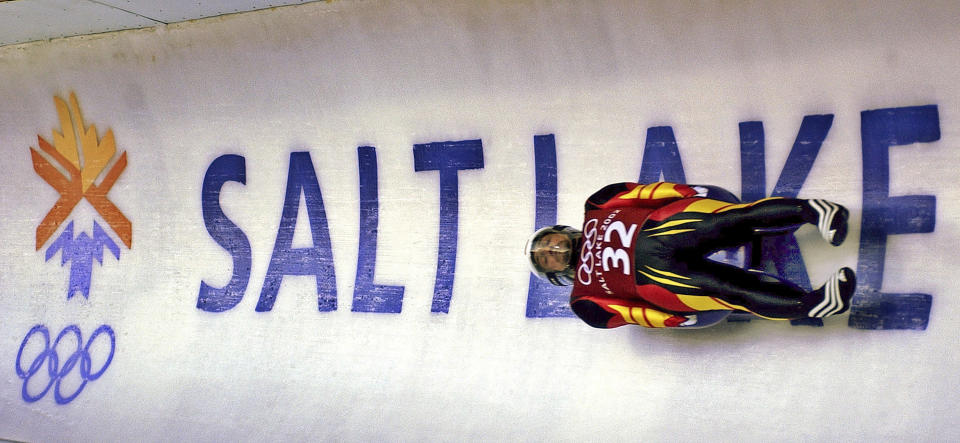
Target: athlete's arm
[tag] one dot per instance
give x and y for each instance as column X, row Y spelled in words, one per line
column 652, row 195
column 612, row 313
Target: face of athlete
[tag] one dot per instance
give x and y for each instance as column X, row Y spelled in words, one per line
column 552, row 252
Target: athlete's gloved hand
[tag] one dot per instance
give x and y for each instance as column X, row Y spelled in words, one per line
column 701, row 191
column 691, row 320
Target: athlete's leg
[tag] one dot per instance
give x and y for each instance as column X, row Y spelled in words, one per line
column 670, row 253
column 709, row 225
column 764, row 294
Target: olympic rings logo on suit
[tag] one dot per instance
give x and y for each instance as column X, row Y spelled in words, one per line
column 585, row 271
column 49, row 355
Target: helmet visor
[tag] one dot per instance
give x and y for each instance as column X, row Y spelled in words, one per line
column 552, row 252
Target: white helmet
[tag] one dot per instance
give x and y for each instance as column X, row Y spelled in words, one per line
column 567, row 249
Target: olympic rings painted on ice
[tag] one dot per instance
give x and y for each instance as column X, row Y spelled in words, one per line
column 49, row 355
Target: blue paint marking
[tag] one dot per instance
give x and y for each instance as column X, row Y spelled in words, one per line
column 544, row 299
column 753, row 163
column 813, row 131
column 80, row 252
column 226, row 233
column 661, row 156
column 884, row 215
column 316, row 260
column 448, row 158
column 367, row 295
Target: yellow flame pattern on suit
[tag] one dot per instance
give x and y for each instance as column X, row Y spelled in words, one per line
column 705, row 303
column 653, row 191
column 672, row 232
column 667, row 281
column 668, row 274
column 716, row 206
column 673, row 223
column 642, row 316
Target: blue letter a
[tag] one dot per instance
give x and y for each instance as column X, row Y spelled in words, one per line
column 316, row 260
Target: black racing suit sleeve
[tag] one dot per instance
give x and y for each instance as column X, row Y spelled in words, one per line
column 605, row 194
column 592, row 313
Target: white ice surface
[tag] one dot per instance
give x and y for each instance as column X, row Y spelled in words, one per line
column 328, row 78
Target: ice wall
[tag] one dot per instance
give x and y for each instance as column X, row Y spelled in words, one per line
column 311, row 222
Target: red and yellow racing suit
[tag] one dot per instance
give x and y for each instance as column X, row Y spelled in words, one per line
column 643, row 257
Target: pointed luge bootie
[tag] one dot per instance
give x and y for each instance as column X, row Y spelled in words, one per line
column 834, row 296
column 831, row 220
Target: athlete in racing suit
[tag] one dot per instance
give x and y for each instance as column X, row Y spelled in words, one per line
column 640, row 257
